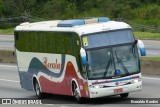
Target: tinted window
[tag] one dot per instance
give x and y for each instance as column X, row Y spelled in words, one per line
column 45, row 42
column 108, row 38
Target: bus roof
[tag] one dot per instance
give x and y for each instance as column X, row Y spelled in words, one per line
column 77, row 26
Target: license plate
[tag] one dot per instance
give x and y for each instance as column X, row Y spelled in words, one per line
column 119, row 90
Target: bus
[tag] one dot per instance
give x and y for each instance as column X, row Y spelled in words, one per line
column 83, row 58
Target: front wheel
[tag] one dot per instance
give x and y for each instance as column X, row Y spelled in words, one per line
column 124, row 95
column 38, row 92
column 76, row 94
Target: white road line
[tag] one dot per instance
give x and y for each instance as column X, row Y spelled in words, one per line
column 9, row 80
column 153, row 45
column 64, row 106
column 12, row 66
column 49, row 104
column 151, row 78
column 154, row 53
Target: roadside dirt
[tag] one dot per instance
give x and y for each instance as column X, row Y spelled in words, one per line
column 150, row 67
column 7, row 57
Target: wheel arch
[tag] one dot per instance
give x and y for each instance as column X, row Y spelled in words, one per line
column 74, row 81
column 34, row 79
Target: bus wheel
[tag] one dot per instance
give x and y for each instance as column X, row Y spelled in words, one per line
column 39, row 94
column 76, row 94
column 124, row 95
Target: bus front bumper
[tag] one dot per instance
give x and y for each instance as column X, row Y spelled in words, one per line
column 116, row 90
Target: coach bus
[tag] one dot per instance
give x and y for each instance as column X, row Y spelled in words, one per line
column 84, row 58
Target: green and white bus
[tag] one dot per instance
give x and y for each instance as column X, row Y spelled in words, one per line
column 84, row 58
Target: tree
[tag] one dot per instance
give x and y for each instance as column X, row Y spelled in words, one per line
column 53, row 9
column 1, row 7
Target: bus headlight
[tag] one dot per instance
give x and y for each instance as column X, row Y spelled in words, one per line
column 96, row 86
column 136, row 80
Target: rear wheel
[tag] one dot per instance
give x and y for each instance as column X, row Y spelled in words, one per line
column 38, row 92
column 124, row 95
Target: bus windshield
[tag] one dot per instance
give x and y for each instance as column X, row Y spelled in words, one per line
column 113, row 61
column 107, row 38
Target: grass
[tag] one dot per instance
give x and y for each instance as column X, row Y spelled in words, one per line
column 150, row 58
column 7, row 31
column 147, row 35
column 147, row 14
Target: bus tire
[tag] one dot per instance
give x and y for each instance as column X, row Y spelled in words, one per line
column 124, row 95
column 37, row 90
column 76, row 93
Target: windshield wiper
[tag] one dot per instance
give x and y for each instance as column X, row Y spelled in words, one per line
column 120, row 61
column 107, row 67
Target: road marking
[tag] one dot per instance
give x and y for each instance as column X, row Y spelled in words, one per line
column 12, row 66
column 152, row 45
column 49, row 104
column 155, row 53
column 151, row 78
column 64, row 106
column 9, row 80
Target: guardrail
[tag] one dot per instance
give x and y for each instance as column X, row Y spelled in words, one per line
column 8, row 22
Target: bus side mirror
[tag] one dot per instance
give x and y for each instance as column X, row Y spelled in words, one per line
column 83, row 56
column 141, row 47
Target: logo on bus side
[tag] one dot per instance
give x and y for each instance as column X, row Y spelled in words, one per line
column 53, row 65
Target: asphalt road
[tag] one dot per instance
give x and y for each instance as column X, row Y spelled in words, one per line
column 6, row 42
column 10, row 88
column 6, row 45
column 152, row 47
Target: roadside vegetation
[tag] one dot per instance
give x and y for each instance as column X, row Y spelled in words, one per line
column 142, row 15
column 137, row 11
column 7, row 31
column 147, row 35
column 150, row 58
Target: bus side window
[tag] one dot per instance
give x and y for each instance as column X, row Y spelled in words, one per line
column 50, row 42
column 16, row 36
column 77, row 46
column 68, row 45
column 21, row 42
column 59, row 38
